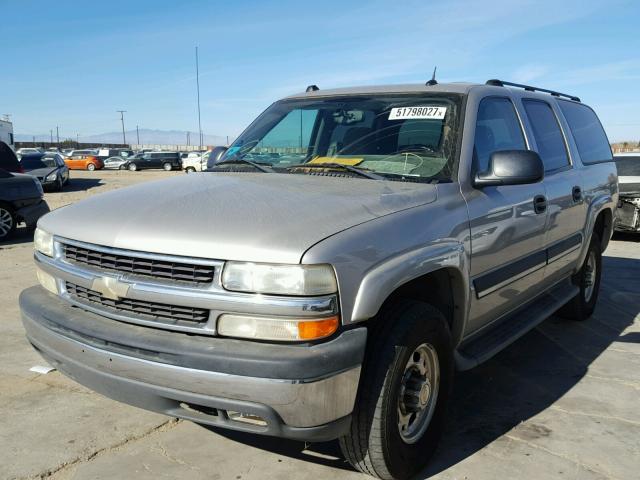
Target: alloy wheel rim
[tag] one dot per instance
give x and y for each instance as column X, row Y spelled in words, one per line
column 6, row 222
column 590, row 271
column 418, row 393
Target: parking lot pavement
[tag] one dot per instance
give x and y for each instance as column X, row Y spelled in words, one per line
column 562, row 402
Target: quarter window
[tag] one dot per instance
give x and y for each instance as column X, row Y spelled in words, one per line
column 546, row 131
column 497, row 128
column 591, row 141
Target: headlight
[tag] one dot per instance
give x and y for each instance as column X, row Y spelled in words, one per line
column 278, row 329
column 279, row 279
column 43, row 242
column 51, row 177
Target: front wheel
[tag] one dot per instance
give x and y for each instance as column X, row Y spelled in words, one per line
column 588, row 281
column 189, row 170
column 91, row 167
column 7, row 222
column 167, row 167
column 404, row 390
column 133, row 167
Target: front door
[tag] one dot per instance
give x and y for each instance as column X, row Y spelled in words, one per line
column 506, row 227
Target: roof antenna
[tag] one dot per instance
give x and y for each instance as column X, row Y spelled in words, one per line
column 433, row 80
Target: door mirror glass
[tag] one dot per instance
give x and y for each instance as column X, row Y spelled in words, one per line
column 511, row 167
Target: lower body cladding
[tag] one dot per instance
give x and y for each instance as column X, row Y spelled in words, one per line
column 628, row 214
column 302, row 392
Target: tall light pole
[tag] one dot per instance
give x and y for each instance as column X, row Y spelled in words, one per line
column 138, row 135
column 198, row 88
column 124, row 137
column 51, row 133
column 77, row 139
column 188, row 142
column 57, row 135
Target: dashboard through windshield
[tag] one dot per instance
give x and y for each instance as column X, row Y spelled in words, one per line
column 393, row 136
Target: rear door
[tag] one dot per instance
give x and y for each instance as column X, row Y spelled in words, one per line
column 563, row 185
column 507, row 231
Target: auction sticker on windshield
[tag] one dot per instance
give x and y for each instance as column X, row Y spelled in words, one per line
column 403, row 113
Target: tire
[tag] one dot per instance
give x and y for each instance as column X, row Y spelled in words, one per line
column 189, row 170
column 8, row 221
column 167, row 167
column 59, row 185
column 91, row 167
column 375, row 444
column 122, row 167
column 587, row 279
column 132, row 167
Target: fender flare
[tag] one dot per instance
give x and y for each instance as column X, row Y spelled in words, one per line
column 380, row 281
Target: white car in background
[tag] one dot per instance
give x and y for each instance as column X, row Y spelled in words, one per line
column 120, row 162
column 194, row 162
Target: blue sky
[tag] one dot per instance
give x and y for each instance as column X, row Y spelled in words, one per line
column 73, row 64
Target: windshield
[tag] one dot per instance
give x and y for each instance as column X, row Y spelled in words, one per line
column 37, row 162
column 628, row 166
column 393, row 136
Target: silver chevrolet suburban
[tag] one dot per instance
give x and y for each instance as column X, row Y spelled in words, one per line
column 326, row 277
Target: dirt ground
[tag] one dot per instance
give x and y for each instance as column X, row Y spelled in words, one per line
column 562, row 402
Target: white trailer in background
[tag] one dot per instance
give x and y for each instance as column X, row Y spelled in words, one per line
column 6, row 133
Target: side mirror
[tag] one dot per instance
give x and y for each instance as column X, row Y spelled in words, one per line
column 215, row 155
column 511, row 167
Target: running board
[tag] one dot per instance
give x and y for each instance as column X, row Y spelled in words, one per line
column 481, row 348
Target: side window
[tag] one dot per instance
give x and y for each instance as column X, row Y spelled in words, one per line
column 497, row 128
column 547, row 133
column 593, row 145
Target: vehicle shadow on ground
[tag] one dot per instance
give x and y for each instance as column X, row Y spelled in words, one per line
column 81, row 184
column 20, row 236
column 517, row 384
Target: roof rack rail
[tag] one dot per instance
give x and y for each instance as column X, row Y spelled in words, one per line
column 529, row 88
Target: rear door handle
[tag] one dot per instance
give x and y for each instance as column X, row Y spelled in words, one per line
column 576, row 193
column 539, row 204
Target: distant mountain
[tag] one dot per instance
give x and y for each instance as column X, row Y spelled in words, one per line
column 147, row 137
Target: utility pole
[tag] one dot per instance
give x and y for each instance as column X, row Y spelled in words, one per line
column 124, row 137
column 198, row 88
column 77, row 139
column 227, row 140
column 138, row 135
column 57, row 135
column 51, row 133
column 188, row 143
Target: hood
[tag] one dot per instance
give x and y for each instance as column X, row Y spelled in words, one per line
column 41, row 172
column 256, row 217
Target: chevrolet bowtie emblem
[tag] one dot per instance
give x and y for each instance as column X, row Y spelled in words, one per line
column 110, row 287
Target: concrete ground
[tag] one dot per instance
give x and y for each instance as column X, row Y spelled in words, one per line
column 562, row 402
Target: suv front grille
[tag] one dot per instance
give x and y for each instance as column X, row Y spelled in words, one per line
column 160, row 312
column 140, row 266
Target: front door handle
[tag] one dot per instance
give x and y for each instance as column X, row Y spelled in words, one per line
column 539, row 204
column 576, row 193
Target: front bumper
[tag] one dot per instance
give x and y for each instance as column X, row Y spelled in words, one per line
column 31, row 213
column 163, row 371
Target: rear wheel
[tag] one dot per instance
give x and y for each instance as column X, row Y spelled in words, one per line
column 121, row 167
column 91, row 167
column 167, row 167
column 189, row 170
column 7, row 221
column 133, row 167
column 405, row 387
column 588, row 281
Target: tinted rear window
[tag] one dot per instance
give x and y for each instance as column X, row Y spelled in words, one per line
column 593, row 145
column 548, row 135
column 628, row 166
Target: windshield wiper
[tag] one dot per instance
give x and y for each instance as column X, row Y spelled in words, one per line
column 263, row 167
column 349, row 168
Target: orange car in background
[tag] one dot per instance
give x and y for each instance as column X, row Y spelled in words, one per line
column 83, row 162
